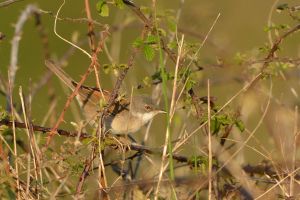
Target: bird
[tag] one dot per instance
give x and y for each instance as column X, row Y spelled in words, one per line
column 126, row 116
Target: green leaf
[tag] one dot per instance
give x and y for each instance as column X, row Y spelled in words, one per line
column 107, row 68
column 119, row 3
column 146, row 10
column 122, row 66
column 156, row 76
column 10, row 193
column 102, row 104
column 162, row 32
column 138, row 43
column 282, row 7
column 240, row 125
column 224, row 119
column 147, row 81
column 215, row 125
column 151, row 39
column 149, row 52
column 264, row 49
column 172, row 45
column 172, row 25
column 276, row 27
column 87, row 141
column 198, row 160
column 102, row 8
column 240, row 58
column 190, row 84
column 3, row 114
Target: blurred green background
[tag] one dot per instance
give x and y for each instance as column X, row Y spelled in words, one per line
column 240, row 28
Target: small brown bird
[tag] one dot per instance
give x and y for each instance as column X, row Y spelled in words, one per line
column 126, row 116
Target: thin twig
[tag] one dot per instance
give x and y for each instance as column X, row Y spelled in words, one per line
column 69, row 19
column 15, row 42
column 9, row 2
column 33, row 145
column 62, row 38
column 94, row 61
column 85, row 173
column 210, row 155
column 276, row 44
column 13, row 125
column 67, row 104
column 43, row 129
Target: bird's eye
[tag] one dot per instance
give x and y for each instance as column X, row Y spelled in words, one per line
column 148, row 108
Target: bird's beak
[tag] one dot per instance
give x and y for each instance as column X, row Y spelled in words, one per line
column 161, row 112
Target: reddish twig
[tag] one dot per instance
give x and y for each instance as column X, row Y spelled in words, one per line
column 67, row 104
column 85, row 173
column 276, row 44
column 91, row 33
column 271, row 54
column 121, row 77
column 94, row 62
column 73, row 20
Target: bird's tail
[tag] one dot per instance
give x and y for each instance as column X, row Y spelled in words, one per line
column 61, row 74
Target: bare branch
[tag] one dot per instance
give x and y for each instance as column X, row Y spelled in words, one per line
column 9, row 2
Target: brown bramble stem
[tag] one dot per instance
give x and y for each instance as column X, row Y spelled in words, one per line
column 82, row 135
column 67, row 104
column 43, row 129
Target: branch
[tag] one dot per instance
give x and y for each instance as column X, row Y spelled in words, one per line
column 275, row 46
column 148, row 23
column 268, row 59
column 67, row 104
column 82, row 135
column 87, row 166
column 43, row 129
column 122, row 75
column 8, row 2
column 16, row 40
